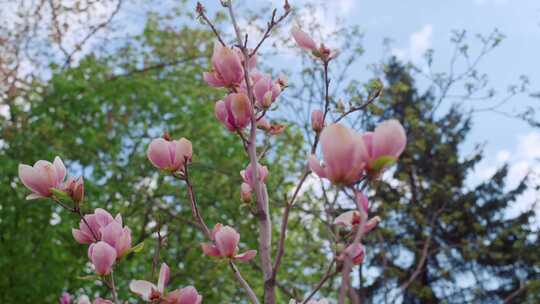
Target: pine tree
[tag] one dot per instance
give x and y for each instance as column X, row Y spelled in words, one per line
column 442, row 240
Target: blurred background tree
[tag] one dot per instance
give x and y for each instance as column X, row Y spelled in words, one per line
column 440, row 240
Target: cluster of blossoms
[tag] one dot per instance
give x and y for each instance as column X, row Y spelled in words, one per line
column 350, row 159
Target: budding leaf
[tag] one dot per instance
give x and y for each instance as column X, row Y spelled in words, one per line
column 92, row 277
column 383, row 162
column 61, row 195
column 137, row 248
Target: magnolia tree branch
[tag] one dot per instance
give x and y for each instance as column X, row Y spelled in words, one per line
column 265, row 224
column 197, row 215
column 244, row 283
column 329, row 274
column 347, row 267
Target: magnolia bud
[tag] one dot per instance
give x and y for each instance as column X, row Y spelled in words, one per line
column 317, row 120
column 245, row 193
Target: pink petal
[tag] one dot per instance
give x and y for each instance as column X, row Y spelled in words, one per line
column 102, row 256
column 60, row 170
column 371, row 224
column 368, row 141
column 103, row 218
column 164, row 274
column 227, row 241
column 389, row 139
column 187, row 295
column 212, row 80
column 246, row 256
column 315, row 166
column 158, row 153
column 346, row 219
column 363, row 200
column 81, row 237
column 240, row 108
column 32, row 179
column 227, row 65
column 210, row 250
column 303, row 40
column 142, row 288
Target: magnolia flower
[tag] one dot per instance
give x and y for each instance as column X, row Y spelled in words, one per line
column 42, row 177
column 266, row 91
column 355, row 252
column 186, row 295
column 152, row 293
column 234, row 112
column 344, row 154
column 317, row 120
column 351, row 219
column 264, row 124
column 303, row 39
column 225, row 245
column 75, row 189
column 227, row 68
column 170, row 155
column 245, row 192
column 102, row 256
column 65, row 298
column 385, row 144
column 117, row 236
column 247, row 175
column 85, row 300
column 90, row 228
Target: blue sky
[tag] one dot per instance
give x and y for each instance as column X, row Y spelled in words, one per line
column 415, row 26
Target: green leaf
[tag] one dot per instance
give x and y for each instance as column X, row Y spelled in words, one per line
column 383, row 162
column 92, row 277
column 61, row 195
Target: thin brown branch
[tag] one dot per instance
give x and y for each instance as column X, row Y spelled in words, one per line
column 329, row 274
column 244, row 283
column 202, row 14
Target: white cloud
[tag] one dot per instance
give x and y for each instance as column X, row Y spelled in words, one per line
column 523, row 160
column 419, row 43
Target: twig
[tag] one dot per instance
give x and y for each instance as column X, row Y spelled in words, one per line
column 370, row 100
column 271, row 24
column 348, row 259
column 244, row 283
column 194, row 207
column 202, row 13
column 329, row 273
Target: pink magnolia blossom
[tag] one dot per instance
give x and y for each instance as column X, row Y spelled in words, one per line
column 317, row 120
column 352, row 219
column 92, row 224
column 234, row 112
column 42, row 177
column 186, row 295
column 303, row 39
column 227, row 68
column 65, row 298
column 170, row 155
column 245, row 192
column 117, row 236
column 85, row 300
column 388, row 140
column 344, row 155
column 75, row 189
column 247, row 175
column 225, row 245
column 264, row 124
column 102, row 256
column 147, row 290
column 266, row 91
column 150, row 292
column 355, row 252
